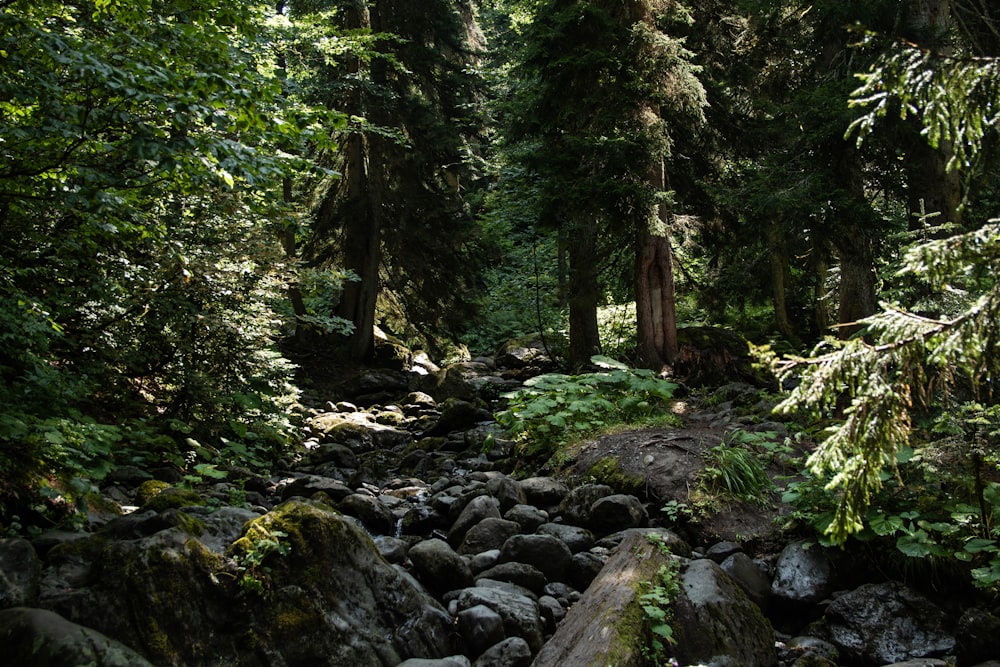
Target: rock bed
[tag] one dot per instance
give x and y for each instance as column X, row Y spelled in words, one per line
column 397, row 540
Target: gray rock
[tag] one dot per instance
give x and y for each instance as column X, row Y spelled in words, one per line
column 480, row 627
column 20, row 573
column 422, row 520
column 802, row 575
column 307, row 485
column 519, row 612
column 617, row 512
column 393, row 549
column 886, row 623
column 451, row 661
column 339, row 455
column 438, row 567
column 552, row 611
column 544, row 492
column 978, row 636
column 720, row 551
column 583, row 569
column 806, row 647
column 42, row 638
column 548, row 554
column 521, row 574
column 749, row 576
column 375, row 516
column 715, row 622
column 224, row 526
column 575, row 507
column 479, row 508
column 528, row 516
column 507, row 491
column 512, row 652
column 576, row 538
column 488, row 534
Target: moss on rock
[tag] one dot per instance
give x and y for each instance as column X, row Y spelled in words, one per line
column 608, row 470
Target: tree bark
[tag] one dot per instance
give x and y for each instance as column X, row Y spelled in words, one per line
column 655, row 306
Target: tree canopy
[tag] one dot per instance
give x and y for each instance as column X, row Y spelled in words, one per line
column 195, row 195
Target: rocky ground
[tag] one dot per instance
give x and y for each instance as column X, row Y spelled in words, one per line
column 397, row 540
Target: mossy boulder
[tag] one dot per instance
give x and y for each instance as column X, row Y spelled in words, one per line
column 303, row 585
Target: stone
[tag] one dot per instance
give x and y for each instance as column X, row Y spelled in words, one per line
column 749, row 576
column 552, row 611
column 617, row 512
column 484, row 561
column 714, row 620
column 528, row 516
column 720, row 551
column 450, row 661
column 519, row 612
column 978, row 636
column 393, row 549
column 438, row 567
column 576, row 538
column 544, row 492
column 422, row 520
column 886, row 623
column 480, row 627
column 488, row 534
column 479, row 508
column 512, row 652
column 339, row 455
column 507, row 491
column 521, row 574
column 549, row 554
column 583, row 569
column 575, row 507
column 375, row 516
column 20, row 573
column 802, row 575
column 41, row 638
column 307, row 485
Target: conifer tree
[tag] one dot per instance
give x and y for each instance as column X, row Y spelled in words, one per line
column 598, row 81
column 396, row 217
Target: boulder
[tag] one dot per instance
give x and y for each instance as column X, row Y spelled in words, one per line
column 375, row 516
column 480, row 627
column 549, row 554
column 528, row 517
column 42, row 638
column 507, row 491
column 303, row 585
column 519, row 612
column 479, row 508
column 488, row 534
column 748, row 575
column 512, row 652
column 617, row 512
column 576, row 538
column 878, row 624
column 575, row 507
column 544, row 492
column 520, row 574
column 716, row 623
column 802, row 575
column 605, row 627
column 20, row 573
column 438, row 567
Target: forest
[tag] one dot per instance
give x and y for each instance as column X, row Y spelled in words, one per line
column 201, row 203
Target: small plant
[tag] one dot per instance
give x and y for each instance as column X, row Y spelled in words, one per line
column 736, row 471
column 254, row 575
column 656, row 601
column 676, row 511
column 552, row 409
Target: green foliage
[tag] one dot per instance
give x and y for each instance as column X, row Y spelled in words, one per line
column 553, row 409
column 254, row 574
column 734, row 469
column 656, row 600
column 909, row 354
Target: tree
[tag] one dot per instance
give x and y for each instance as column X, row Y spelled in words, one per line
column 396, row 218
column 907, row 356
column 137, row 180
column 596, row 78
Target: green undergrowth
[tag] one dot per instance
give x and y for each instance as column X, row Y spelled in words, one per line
column 554, row 410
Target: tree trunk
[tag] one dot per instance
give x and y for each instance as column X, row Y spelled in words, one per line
column 656, row 318
column 655, row 308
column 857, row 279
column 583, row 295
column 779, row 281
